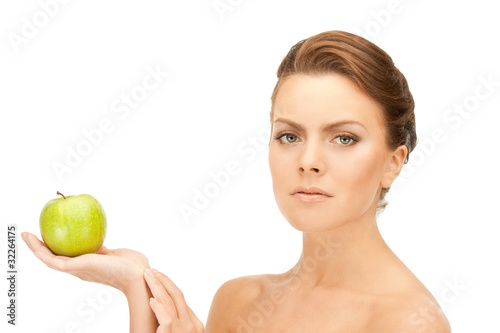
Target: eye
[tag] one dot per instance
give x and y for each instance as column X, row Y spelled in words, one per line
column 288, row 138
column 346, row 140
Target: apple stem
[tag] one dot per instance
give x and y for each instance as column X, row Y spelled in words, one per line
column 61, row 194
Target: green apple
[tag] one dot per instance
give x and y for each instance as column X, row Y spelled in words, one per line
column 73, row 225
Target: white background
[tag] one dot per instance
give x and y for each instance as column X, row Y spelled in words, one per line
column 442, row 219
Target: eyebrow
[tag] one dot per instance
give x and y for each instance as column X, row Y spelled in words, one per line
column 325, row 127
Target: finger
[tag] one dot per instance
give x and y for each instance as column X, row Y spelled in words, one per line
column 159, row 293
column 42, row 252
column 35, row 244
column 65, row 264
column 30, row 240
column 176, row 295
column 164, row 319
column 103, row 250
column 196, row 322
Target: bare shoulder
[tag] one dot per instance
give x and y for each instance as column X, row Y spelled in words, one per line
column 412, row 313
column 232, row 298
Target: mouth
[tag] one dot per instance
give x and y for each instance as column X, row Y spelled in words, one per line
column 310, row 194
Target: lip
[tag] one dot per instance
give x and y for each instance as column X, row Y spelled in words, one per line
column 310, row 194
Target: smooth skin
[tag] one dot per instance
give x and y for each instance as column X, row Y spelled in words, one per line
column 346, row 280
column 156, row 304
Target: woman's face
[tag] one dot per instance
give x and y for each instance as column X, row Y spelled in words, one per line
column 312, row 145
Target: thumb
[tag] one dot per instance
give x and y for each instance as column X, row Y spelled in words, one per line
column 103, row 250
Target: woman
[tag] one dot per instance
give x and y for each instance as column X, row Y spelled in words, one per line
column 343, row 126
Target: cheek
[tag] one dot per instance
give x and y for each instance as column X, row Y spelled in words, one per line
column 360, row 174
column 279, row 165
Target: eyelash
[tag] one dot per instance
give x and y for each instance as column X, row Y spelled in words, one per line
column 341, row 135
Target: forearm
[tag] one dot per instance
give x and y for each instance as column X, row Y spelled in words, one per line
column 142, row 318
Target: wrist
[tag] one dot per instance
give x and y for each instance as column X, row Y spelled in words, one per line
column 142, row 317
column 134, row 284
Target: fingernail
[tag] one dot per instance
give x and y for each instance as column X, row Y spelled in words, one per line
column 152, row 300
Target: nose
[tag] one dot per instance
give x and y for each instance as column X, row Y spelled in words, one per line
column 311, row 160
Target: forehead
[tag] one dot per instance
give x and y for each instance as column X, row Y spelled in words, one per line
column 316, row 100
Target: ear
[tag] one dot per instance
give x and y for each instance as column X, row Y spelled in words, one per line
column 394, row 164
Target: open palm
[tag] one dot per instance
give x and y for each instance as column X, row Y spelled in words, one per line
column 118, row 268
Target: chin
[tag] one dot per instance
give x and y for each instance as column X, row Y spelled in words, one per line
column 314, row 221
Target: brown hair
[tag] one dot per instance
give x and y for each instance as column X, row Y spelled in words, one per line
column 370, row 68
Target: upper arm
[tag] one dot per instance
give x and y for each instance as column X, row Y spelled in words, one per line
column 228, row 301
column 439, row 325
column 425, row 318
column 217, row 319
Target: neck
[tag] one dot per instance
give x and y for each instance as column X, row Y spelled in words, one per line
column 352, row 256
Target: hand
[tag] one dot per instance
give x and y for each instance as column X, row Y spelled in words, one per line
column 119, row 268
column 169, row 306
